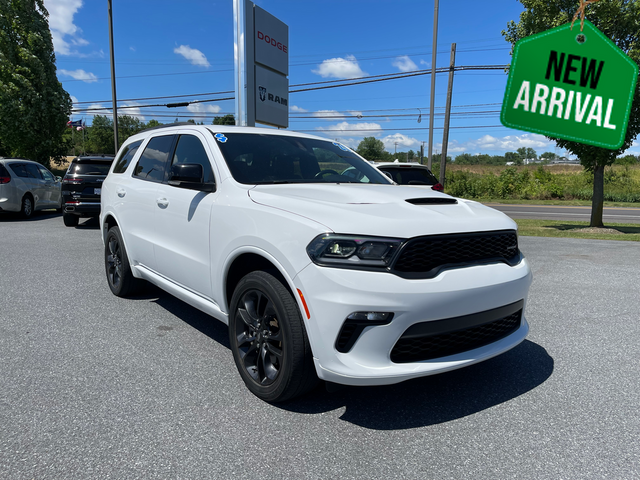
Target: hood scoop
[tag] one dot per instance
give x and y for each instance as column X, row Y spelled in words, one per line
column 432, row 201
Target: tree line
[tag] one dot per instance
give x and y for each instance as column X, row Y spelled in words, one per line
column 98, row 138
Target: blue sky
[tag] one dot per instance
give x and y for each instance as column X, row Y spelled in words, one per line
column 170, row 48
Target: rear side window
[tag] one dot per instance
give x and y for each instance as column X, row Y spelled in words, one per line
column 3, row 171
column 32, row 171
column 19, row 170
column 190, row 150
column 415, row 176
column 154, row 158
column 126, row 156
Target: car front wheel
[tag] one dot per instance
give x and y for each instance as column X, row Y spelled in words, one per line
column 268, row 339
column 27, row 207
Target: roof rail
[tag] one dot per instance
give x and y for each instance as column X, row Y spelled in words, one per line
column 165, row 125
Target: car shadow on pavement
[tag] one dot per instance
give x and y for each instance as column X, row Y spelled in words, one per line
column 436, row 399
column 37, row 216
column 91, row 223
column 415, row 403
column 202, row 322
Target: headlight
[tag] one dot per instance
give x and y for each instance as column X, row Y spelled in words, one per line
column 353, row 251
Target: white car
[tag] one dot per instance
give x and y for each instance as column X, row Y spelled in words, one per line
column 26, row 186
column 317, row 274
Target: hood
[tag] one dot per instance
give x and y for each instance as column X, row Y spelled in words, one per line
column 380, row 210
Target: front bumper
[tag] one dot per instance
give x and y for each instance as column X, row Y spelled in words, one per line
column 333, row 294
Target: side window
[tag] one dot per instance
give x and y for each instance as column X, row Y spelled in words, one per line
column 190, row 150
column 32, row 171
column 18, row 169
column 154, row 158
column 126, row 156
column 46, row 174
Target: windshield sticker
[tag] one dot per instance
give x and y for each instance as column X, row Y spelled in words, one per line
column 220, row 137
column 341, row 147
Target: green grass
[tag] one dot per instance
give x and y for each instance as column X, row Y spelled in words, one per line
column 565, row 203
column 565, row 229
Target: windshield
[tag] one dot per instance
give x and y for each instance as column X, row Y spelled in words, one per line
column 268, row 159
column 410, row 176
column 89, row 168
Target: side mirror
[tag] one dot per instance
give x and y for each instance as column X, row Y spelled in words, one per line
column 58, row 179
column 191, row 176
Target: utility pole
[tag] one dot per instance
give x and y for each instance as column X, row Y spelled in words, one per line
column 447, row 114
column 114, row 101
column 434, row 52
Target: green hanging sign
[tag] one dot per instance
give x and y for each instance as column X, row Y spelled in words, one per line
column 572, row 85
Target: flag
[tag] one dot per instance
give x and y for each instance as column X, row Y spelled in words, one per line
column 77, row 123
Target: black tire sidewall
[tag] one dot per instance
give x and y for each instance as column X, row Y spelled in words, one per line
column 289, row 319
column 127, row 279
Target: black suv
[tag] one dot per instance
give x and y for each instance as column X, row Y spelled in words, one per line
column 81, row 187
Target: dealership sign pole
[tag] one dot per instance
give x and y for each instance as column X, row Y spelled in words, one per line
column 261, row 52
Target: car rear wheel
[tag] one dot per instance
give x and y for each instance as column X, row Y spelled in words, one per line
column 268, row 339
column 116, row 263
column 27, row 206
column 70, row 220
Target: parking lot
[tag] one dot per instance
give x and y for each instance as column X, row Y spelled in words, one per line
column 94, row 386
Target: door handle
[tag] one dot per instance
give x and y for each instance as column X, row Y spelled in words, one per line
column 121, row 192
column 162, row 202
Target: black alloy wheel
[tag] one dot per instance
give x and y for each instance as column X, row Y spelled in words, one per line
column 268, row 339
column 121, row 280
column 27, row 206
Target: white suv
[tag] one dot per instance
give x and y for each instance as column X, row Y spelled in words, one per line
column 346, row 278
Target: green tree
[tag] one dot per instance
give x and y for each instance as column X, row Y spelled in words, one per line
column 128, row 126
column 99, row 137
column 627, row 160
column 153, row 123
column 34, row 108
column 619, row 20
column 371, row 148
column 226, row 120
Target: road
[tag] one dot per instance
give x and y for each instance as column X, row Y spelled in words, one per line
column 95, row 386
column 558, row 212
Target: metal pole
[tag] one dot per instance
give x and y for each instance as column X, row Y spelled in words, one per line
column 447, row 113
column 433, row 80
column 114, row 101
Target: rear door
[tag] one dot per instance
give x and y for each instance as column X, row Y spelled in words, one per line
column 182, row 220
column 52, row 188
column 138, row 194
column 38, row 187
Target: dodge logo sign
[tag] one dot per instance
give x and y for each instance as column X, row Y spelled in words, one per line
column 263, row 93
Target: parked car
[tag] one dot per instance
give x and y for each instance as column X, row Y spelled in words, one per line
column 81, row 187
column 410, row 174
column 27, row 186
column 346, row 278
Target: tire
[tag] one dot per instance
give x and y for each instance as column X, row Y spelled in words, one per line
column 268, row 339
column 27, row 206
column 116, row 263
column 70, row 220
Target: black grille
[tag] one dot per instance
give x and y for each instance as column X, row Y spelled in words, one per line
column 414, row 348
column 424, row 257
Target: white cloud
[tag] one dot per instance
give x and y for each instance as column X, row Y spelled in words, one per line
column 340, row 68
column 131, row 112
column 296, row 109
column 99, row 110
column 424, row 62
column 79, row 74
column 509, row 143
column 203, row 108
column 61, row 24
column 355, row 113
column 404, row 64
column 73, row 99
column 402, row 140
column 195, row 56
column 346, row 128
column 326, row 114
column 132, row 49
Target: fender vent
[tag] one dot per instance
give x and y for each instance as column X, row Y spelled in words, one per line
column 432, row 201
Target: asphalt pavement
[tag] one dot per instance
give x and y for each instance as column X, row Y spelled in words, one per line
column 94, row 386
column 576, row 213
